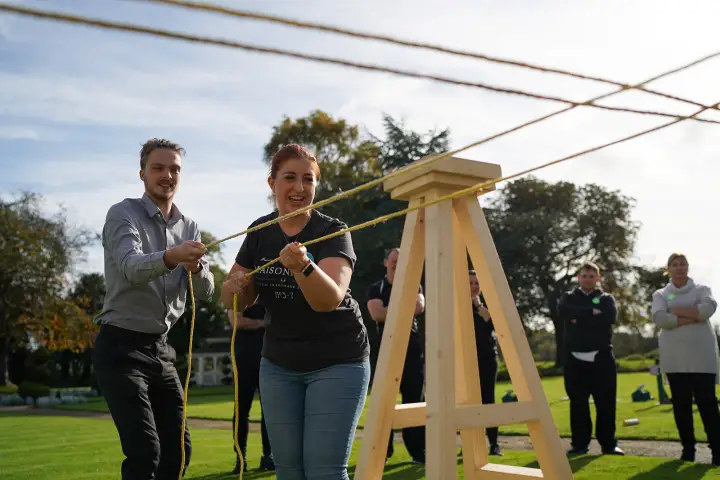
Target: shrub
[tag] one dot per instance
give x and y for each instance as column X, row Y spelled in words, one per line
column 33, row 390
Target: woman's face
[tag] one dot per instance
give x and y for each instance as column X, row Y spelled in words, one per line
column 678, row 269
column 294, row 185
column 474, row 286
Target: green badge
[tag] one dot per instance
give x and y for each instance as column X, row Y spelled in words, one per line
column 671, row 297
column 596, row 300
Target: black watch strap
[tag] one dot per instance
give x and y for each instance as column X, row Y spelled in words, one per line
column 309, row 268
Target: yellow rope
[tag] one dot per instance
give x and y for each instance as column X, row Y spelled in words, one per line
column 38, row 13
column 209, row 7
column 235, row 383
column 187, row 378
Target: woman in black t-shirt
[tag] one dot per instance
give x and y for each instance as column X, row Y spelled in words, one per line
column 315, row 369
column 487, row 354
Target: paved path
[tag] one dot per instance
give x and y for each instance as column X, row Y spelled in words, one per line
column 641, row 448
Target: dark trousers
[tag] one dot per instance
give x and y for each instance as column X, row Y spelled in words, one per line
column 248, row 367
column 685, row 386
column 488, row 377
column 412, row 390
column 599, row 379
column 136, row 375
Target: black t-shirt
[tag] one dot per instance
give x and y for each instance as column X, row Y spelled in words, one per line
column 296, row 336
column 248, row 343
column 485, row 337
column 381, row 290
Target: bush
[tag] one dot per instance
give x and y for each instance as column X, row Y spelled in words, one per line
column 33, row 390
column 634, row 357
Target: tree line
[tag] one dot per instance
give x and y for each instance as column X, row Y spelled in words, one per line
column 543, row 231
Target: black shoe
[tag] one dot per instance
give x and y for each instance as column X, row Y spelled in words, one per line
column 495, row 450
column 267, row 463
column 614, row 451
column 578, row 451
column 236, row 470
column 418, row 461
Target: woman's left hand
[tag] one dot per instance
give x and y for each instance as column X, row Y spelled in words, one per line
column 294, row 256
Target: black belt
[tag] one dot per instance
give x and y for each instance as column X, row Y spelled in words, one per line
column 133, row 336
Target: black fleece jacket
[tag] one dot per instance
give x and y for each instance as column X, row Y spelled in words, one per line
column 590, row 332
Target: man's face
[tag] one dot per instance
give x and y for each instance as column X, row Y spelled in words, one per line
column 587, row 279
column 474, row 286
column 161, row 175
column 391, row 263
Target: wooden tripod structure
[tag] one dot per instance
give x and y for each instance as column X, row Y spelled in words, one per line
column 440, row 236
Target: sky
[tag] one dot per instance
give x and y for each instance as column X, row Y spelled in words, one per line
column 76, row 103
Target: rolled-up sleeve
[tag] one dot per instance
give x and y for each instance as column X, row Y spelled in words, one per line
column 660, row 315
column 122, row 240
column 707, row 305
column 204, row 280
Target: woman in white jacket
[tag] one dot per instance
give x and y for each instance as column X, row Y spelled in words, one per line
column 689, row 354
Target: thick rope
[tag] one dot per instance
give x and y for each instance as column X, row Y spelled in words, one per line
column 255, row 48
column 209, row 7
column 235, row 384
column 187, row 379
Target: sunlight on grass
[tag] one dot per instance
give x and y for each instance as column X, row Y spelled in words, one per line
column 656, row 421
column 63, row 448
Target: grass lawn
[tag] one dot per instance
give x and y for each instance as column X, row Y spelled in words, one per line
column 63, row 448
column 656, row 422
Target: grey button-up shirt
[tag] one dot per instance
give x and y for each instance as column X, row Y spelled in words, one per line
column 142, row 293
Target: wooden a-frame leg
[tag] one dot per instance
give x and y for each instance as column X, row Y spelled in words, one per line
column 467, row 377
column 511, row 337
column 393, row 348
column 441, row 453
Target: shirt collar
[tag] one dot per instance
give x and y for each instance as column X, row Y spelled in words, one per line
column 152, row 210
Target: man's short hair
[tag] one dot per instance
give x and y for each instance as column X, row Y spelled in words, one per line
column 155, row 144
column 589, row 266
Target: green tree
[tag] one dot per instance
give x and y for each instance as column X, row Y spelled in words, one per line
column 544, row 231
column 37, row 252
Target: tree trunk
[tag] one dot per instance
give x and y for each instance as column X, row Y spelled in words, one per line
column 4, row 353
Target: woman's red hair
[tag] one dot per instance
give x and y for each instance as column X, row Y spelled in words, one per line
column 287, row 152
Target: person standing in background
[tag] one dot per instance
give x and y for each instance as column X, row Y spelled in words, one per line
column 412, row 383
column 588, row 315
column 487, row 354
column 689, row 354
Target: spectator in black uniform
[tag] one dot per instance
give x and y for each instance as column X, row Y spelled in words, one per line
column 413, row 376
column 588, row 315
column 487, row 354
column 248, row 347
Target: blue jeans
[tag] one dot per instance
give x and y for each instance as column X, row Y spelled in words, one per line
column 311, row 418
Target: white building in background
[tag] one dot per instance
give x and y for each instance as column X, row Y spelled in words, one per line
column 211, row 360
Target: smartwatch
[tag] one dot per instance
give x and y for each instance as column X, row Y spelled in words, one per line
column 308, row 269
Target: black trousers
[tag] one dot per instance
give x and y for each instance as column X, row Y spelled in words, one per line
column 488, row 377
column 599, row 379
column 136, row 375
column 248, row 367
column 701, row 386
column 412, row 390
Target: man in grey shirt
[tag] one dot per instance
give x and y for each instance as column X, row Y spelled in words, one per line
column 150, row 248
